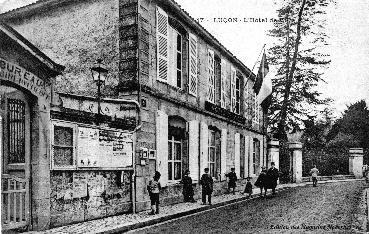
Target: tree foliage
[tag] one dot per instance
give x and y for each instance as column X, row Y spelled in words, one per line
column 352, row 129
column 297, row 54
column 327, row 144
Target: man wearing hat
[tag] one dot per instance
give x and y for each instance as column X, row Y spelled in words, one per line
column 273, row 175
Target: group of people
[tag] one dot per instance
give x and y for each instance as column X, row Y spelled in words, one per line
column 266, row 179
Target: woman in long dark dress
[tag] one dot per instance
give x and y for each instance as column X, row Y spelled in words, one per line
column 261, row 181
column 187, row 187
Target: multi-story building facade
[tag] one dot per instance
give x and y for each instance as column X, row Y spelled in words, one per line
column 198, row 107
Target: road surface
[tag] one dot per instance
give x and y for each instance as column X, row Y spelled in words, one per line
column 326, row 208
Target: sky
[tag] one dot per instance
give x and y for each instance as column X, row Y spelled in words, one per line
column 348, row 27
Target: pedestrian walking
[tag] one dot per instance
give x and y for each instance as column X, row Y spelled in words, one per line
column 248, row 187
column 207, row 186
column 272, row 177
column 314, row 175
column 232, row 178
column 261, row 180
column 154, row 190
column 187, row 187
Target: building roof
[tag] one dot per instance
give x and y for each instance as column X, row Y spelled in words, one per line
column 28, row 46
column 39, row 5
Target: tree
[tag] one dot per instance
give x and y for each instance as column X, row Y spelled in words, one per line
column 352, row 129
column 297, row 54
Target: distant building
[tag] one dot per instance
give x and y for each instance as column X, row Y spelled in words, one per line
column 198, row 106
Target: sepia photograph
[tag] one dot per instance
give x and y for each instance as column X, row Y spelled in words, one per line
column 184, row 116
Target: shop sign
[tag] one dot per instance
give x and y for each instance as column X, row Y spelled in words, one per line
column 20, row 76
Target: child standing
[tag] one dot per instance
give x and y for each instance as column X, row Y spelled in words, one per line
column 154, row 190
column 248, row 187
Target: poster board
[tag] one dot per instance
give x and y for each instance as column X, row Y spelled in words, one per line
column 104, row 148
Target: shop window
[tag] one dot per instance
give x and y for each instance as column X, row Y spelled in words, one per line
column 255, row 155
column 63, row 146
column 176, row 148
column 214, row 152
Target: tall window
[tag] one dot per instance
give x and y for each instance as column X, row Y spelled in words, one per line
column 255, row 155
column 211, row 78
column 63, row 143
column 175, row 57
column 16, row 131
column 214, row 152
column 174, row 158
column 176, row 148
column 233, row 89
column 169, row 51
column 255, row 111
column 238, row 94
column 223, row 102
column 193, row 64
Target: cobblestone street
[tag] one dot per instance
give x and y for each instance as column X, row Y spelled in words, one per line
column 327, row 208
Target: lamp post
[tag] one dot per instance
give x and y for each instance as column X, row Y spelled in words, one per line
column 99, row 73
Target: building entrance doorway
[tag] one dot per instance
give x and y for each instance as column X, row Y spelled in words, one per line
column 15, row 153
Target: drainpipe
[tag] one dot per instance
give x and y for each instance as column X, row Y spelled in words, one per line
column 138, row 127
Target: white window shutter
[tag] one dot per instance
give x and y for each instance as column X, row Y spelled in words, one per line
column 247, row 156
column 204, row 135
column 237, row 158
column 211, row 78
column 251, row 144
column 194, row 149
column 162, row 35
column 262, row 160
column 223, row 154
column 162, row 146
column 223, row 101
column 193, row 64
column 233, row 89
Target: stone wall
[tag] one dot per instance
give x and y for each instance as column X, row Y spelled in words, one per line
column 75, row 35
column 108, row 193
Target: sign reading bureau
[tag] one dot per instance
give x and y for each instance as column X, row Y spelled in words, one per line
column 18, row 75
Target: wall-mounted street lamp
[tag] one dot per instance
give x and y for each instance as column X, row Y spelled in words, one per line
column 99, row 73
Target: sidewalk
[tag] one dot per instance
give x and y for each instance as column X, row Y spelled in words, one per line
column 126, row 222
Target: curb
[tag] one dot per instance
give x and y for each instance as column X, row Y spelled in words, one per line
column 200, row 209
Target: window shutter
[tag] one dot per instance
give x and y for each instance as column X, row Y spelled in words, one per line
column 233, row 89
column 194, row 149
column 193, row 64
column 237, row 158
column 162, row 146
column 162, row 44
column 204, row 135
column 247, row 156
column 261, row 146
column 223, row 102
column 223, row 156
column 211, row 78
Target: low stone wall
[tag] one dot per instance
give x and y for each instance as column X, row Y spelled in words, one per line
column 325, row 178
column 78, row 196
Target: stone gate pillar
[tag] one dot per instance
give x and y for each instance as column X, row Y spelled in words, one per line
column 296, row 161
column 356, row 162
column 273, row 153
